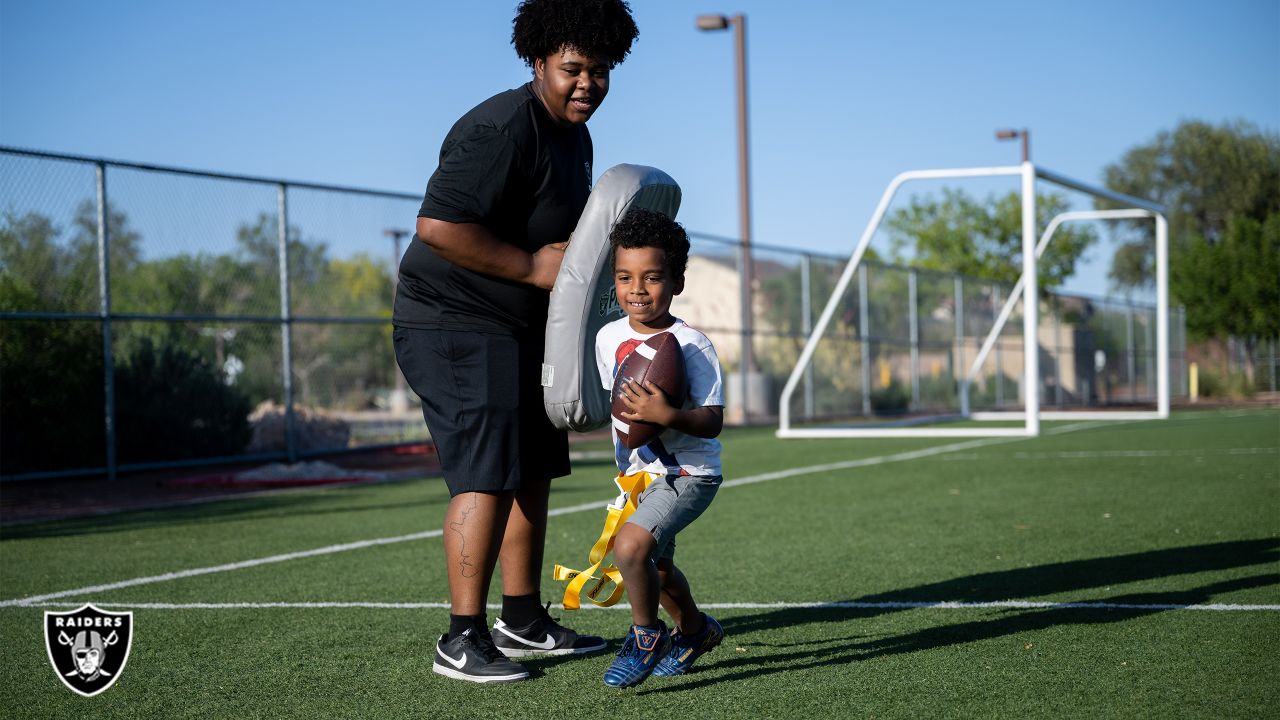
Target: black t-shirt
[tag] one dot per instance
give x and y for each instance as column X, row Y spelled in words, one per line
column 508, row 166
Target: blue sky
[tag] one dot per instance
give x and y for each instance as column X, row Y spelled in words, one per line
column 843, row 95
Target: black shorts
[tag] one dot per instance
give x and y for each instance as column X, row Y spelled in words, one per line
column 482, row 400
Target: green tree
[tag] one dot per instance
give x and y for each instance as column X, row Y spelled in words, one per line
column 1221, row 187
column 1204, row 175
column 41, row 273
column 173, row 404
column 333, row 364
column 51, row 374
column 983, row 239
column 55, row 421
column 1232, row 286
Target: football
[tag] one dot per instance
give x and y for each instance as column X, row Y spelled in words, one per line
column 660, row 362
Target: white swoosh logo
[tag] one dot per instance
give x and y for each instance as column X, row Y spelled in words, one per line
column 546, row 644
column 458, row 663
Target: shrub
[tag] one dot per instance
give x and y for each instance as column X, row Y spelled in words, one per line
column 1233, row 385
column 890, row 400
column 51, row 397
column 173, row 404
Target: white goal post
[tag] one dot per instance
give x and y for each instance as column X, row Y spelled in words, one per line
column 1027, row 284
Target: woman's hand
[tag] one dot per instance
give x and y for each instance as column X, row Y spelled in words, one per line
column 546, row 265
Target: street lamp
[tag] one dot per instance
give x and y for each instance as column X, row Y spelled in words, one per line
column 395, row 234
column 739, row 25
column 1025, row 134
column 399, row 401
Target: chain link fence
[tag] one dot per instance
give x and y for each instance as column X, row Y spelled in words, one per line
column 902, row 340
column 161, row 317
column 241, row 318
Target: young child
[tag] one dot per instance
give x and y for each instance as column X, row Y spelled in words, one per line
column 650, row 252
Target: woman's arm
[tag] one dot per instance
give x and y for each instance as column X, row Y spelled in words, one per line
column 474, row 247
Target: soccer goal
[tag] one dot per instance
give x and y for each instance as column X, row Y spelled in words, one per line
column 1025, row 294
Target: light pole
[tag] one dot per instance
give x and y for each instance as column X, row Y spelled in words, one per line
column 1025, row 134
column 739, row 25
column 399, row 400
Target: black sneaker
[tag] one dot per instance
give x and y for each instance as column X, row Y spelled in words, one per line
column 472, row 656
column 543, row 636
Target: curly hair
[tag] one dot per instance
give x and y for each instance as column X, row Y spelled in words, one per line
column 641, row 228
column 596, row 28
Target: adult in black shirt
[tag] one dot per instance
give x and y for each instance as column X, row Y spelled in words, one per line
column 470, row 315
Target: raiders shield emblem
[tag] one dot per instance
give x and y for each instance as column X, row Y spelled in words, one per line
column 88, row 647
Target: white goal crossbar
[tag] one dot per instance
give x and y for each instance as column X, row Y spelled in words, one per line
column 1027, row 284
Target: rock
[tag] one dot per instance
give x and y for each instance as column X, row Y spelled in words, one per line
column 314, row 429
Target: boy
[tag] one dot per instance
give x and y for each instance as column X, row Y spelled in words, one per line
column 650, row 252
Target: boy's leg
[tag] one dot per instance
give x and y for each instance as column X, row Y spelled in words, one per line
column 647, row 640
column 677, row 599
column 696, row 632
column 632, row 550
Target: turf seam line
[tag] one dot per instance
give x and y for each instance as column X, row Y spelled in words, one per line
column 595, row 505
column 849, row 605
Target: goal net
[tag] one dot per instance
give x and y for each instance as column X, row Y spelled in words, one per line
column 901, row 352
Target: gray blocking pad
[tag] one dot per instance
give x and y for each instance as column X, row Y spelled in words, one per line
column 583, row 301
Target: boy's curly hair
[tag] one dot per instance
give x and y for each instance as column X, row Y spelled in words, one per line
column 596, row 28
column 641, row 228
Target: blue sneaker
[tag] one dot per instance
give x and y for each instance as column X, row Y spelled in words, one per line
column 640, row 653
column 687, row 648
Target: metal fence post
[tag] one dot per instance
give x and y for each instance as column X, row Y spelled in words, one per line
column 999, row 376
column 1182, row 337
column 863, row 331
column 913, row 321
column 958, row 365
column 1150, row 354
column 744, row 329
column 104, row 309
column 1130, row 352
column 1272, row 364
column 806, row 325
column 286, row 323
column 1057, row 356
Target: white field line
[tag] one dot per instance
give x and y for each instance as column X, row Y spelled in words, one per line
column 345, row 547
column 1112, row 454
column 851, row 605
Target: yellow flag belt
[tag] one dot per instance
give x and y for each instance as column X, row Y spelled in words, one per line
column 618, row 511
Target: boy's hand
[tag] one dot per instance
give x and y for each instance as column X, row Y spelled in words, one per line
column 647, row 402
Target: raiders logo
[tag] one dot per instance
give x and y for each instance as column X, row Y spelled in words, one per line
column 88, row 647
column 607, row 302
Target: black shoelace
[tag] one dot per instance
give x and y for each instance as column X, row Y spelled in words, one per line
column 546, row 615
column 483, row 644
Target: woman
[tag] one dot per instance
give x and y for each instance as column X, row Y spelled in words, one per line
column 470, row 314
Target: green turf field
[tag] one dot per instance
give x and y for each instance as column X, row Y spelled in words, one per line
column 1141, row 559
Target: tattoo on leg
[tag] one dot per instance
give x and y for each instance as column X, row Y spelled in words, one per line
column 465, row 566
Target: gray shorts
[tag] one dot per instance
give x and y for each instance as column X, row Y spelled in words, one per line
column 669, row 504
